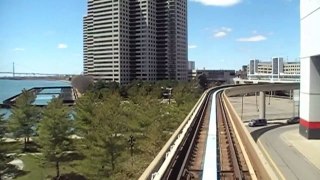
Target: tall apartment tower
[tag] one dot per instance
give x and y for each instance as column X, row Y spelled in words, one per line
column 126, row 40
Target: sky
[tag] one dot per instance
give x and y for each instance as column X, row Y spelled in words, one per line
column 45, row 36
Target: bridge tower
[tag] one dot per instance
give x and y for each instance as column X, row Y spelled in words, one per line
column 13, row 74
column 310, row 69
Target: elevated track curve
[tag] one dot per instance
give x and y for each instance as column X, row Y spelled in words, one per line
column 176, row 158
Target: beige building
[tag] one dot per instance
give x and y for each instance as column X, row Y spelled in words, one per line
column 126, row 40
column 277, row 68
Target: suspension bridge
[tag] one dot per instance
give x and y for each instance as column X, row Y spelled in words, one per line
column 13, row 73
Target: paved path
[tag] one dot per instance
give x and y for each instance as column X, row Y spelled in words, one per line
column 290, row 162
column 309, row 148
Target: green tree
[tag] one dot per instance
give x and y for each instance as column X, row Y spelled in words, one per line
column 105, row 143
column 4, row 159
column 82, row 83
column 185, row 93
column 3, row 127
column 54, row 131
column 106, row 120
column 24, row 117
column 84, row 111
column 203, row 81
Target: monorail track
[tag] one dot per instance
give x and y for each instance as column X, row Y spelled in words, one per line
column 199, row 149
column 232, row 162
column 194, row 166
column 188, row 161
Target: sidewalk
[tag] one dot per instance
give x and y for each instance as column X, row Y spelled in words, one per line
column 309, row 148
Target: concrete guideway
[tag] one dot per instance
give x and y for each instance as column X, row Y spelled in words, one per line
column 169, row 156
column 217, row 136
column 261, row 166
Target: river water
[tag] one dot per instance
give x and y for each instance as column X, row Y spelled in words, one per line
column 9, row 88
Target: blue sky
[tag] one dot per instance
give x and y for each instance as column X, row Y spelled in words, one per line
column 45, row 36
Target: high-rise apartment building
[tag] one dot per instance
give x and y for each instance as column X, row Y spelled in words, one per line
column 191, row 65
column 126, row 40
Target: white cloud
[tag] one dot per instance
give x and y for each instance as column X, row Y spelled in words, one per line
column 18, row 49
column 223, row 31
column 220, row 34
column 218, row 2
column 192, row 46
column 226, row 29
column 62, row 46
column 252, row 38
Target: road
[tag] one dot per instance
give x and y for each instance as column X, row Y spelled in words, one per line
column 290, row 162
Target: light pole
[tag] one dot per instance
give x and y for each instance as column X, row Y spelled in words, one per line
column 257, row 107
column 170, row 93
column 131, row 142
column 241, row 106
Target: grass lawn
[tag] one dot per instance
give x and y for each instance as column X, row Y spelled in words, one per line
column 13, row 147
column 34, row 170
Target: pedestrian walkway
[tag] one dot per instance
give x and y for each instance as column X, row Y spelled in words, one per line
column 309, row 148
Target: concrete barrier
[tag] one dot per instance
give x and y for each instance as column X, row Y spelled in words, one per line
column 238, row 90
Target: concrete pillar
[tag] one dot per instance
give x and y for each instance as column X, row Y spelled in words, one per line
column 310, row 69
column 290, row 94
column 262, row 105
column 310, row 98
